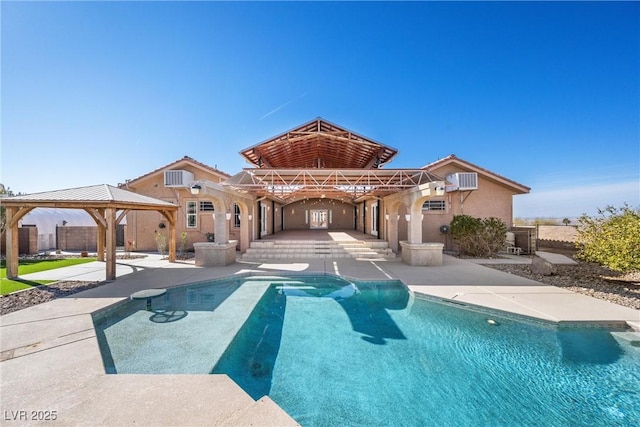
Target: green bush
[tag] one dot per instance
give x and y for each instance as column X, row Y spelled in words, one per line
column 161, row 242
column 611, row 239
column 478, row 237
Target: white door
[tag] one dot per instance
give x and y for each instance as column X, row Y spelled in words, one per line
column 319, row 219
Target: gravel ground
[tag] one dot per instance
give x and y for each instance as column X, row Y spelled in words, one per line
column 23, row 299
column 585, row 278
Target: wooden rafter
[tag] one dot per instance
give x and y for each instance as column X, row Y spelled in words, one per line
column 319, row 144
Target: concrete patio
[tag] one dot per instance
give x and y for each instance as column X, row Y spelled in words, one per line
column 51, row 360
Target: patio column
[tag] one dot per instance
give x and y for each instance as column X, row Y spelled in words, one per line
column 392, row 233
column 415, row 224
column 245, row 226
column 221, row 227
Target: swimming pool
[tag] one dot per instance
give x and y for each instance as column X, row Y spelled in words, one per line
column 334, row 352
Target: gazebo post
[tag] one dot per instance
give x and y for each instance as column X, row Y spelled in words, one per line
column 100, row 242
column 11, row 243
column 111, row 243
column 172, row 237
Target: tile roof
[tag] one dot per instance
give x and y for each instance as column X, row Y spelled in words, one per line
column 170, row 165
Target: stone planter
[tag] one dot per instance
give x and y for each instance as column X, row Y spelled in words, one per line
column 422, row 253
column 215, row 254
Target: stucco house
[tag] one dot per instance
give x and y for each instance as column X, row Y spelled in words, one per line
column 319, row 176
column 172, row 183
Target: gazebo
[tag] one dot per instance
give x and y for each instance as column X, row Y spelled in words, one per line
column 106, row 204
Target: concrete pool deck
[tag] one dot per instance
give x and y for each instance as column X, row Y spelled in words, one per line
column 51, row 364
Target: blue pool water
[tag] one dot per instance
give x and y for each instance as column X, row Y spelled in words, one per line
column 332, row 352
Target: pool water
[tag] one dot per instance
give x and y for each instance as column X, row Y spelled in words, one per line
column 332, row 352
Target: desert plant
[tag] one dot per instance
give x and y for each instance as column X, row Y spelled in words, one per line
column 611, row 239
column 478, row 237
column 161, row 243
column 183, row 243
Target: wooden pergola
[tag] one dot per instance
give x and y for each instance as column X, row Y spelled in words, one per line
column 106, row 204
column 319, row 144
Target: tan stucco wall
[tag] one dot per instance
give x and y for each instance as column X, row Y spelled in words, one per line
column 491, row 199
column 143, row 225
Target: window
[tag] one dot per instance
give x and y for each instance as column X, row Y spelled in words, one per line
column 192, row 215
column 434, row 205
column 206, row 206
column 236, row 215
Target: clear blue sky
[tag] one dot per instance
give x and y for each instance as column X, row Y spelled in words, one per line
column 544, row 93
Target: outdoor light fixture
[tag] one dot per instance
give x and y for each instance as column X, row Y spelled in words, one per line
column 386, row 216
column 195, row 189
column 228, row 215
column 250, row 217
column 407, row 217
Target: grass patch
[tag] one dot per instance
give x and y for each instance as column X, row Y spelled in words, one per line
column 27, row 266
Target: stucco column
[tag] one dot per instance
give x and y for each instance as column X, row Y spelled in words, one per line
column 221, row 227
column 392, row 232
column 415, row 224
column 245, row 226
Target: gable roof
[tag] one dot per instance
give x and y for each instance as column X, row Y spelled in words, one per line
column 452, row 159
column 319, row 144
column 178, row 163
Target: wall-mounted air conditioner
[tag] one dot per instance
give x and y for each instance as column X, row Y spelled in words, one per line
column 178, row 178
column 463, row 181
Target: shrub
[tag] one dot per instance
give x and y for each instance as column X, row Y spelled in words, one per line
column 161, row 242
column 611, row 239
column 478, row 237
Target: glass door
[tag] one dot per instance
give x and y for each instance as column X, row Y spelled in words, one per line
column 374, row 219
column 319, row 219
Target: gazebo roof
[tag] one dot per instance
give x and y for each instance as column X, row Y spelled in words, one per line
column 319, row 144
column 93, row 196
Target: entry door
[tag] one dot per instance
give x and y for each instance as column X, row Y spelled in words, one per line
column 319, row 219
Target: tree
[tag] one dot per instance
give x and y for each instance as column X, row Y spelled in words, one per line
column 566, row 221
column 612, row 239
column 4, row 192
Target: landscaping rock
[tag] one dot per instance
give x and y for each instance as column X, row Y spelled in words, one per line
column 543, row 267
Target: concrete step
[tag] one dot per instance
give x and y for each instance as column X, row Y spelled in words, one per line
column 275, row 249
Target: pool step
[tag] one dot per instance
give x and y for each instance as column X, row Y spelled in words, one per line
column 263, row 412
